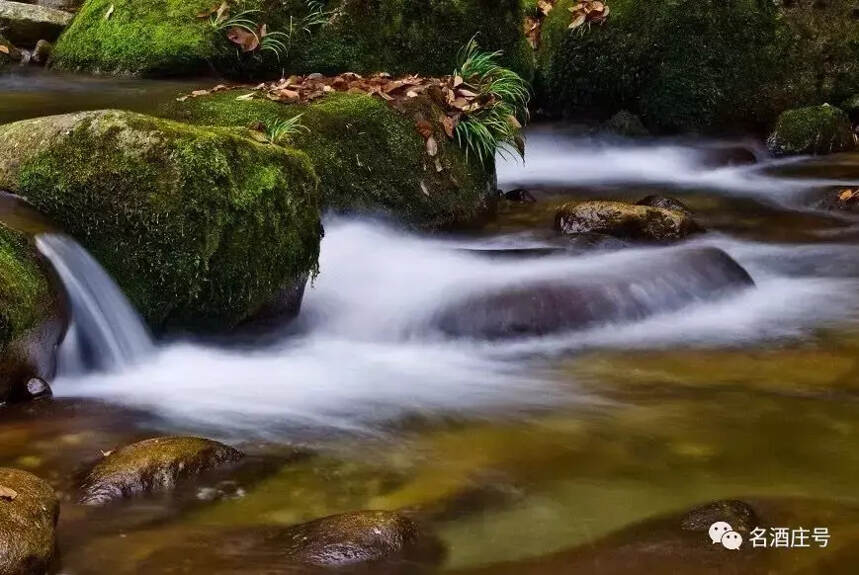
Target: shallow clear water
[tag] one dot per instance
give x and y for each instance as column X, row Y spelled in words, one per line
column 531, row 451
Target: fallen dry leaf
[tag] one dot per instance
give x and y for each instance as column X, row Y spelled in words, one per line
column 248, row 41
column 846, row 195
column 8, row 493
column 432, row 146
column 425, row 129
column 109, row 12
column 4, row 49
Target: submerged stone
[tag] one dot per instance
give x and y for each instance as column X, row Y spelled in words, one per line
column 28, row 517
column 644, row 286
column 152, row 465
column 814, row 130
column 26, row 24
column 629, row 221
column 201, row 227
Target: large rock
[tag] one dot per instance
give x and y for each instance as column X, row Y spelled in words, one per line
column 32, row 320
column 28, row 517
column 700, row 65
column 815, row 130
column 26, row 24
column 630, row 221
column 165, row 37
column 631, row 290
column 152, row 465
column 201, row 227
column 368, row 156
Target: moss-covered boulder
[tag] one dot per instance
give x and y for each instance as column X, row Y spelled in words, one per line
column 630, row 221
column 165, row 37
column 815, row 130
column 28, row 516
column 201, row 227
column 26, row 24
column 152, row 465
column 31, row 318
column 368, row 155
column 700, row 65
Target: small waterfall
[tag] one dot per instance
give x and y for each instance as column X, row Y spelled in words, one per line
column 105, row 333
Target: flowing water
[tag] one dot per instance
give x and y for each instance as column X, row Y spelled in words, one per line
column 514, row 450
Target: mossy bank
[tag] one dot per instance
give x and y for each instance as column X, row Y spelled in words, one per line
column 700, row 65
column 166, row 37
column 31, row 319
column 369, row 156
column 202, row 227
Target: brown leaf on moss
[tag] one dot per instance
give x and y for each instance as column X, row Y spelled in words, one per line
column 7, row 493
column 425, row 129
column 247, row 40
column 432, row 146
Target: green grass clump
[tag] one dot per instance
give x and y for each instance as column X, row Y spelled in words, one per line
column 368, row 156
column 496, row 126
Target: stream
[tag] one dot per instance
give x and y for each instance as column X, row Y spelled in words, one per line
column 514, row 449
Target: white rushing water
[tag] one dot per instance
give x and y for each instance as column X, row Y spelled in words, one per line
column 105, row 332
column 363, row 361
column 366, row 353
column 556, row 158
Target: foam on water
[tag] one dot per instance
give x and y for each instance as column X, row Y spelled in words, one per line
column 555, row 158
column 366, row 356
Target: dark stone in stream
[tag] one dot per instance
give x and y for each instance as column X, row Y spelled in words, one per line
column 727, row 156
column 42, row 52
column 644, row 285
column 739, row 514
column 664, row 202
column 28, row 517
column 367, row 542
column 152, row 465
column 519, row 195
column 840, row 199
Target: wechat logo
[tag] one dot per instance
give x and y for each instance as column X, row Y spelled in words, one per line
column 722, row 532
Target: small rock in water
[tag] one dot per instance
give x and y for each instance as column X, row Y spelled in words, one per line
column 38, row 389
column 738, row 514
column 519, row 195
column 664, row 202
column 42, row 52
column 152, row 465
column 224, row 490
column 628, row 221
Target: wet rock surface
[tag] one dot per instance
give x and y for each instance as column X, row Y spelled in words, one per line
column 152, row 465
column 28, row 516
column 664, row 203
column 650, row 285
column 377, row 542
column 628, row 221
column 26, row 24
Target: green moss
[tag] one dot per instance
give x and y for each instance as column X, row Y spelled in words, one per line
column 814, row 130
column 699, row 65
column 155, row 37
column 24, row 290
column 161, row 37
column 201, row 227
column 369, row 157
